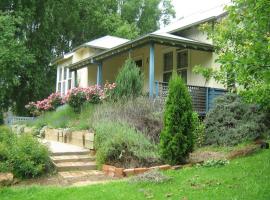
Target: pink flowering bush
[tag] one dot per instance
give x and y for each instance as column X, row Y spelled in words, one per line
column 48, row 104
column 32, row 108
column 75, row 97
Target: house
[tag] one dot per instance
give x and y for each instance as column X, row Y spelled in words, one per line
column 179, row 46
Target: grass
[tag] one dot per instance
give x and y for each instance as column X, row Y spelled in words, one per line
column 65, row 117
column 245, row 178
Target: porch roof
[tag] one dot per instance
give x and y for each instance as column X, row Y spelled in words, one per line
column 157, row 38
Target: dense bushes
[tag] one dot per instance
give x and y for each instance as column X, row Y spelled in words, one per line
column 75, row 98
column 176, row 139
column 121, row 145
column 129, row 81
column 198, row 131
column 231, row 121
column 48, row 104
column 1, row 118
column 22, row 155
column 141, row 113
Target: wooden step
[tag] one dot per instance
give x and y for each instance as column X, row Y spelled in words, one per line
column 72, row 158
column 67, row 153
column 80, row 174
column 74, row 166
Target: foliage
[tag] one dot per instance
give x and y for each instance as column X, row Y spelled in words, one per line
column 14, row 57
column 76, row 97
column 23, row 155
column 151, row 176
column 232, row 121
column 51, row 103
column 129, row 81
column 215, row 163
column 56, row 119
column 206, row 72
column 245, row 178
column 198, row 131
column 176, row 139
column 1, row 118
column 242, row 53
column 142, row 113
column 28, row 157
column 120, row 144
column 34, row 32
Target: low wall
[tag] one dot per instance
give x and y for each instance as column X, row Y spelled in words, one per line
column 82, row 138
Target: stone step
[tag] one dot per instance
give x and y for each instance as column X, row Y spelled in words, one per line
column 75, row 166
column 72, row 158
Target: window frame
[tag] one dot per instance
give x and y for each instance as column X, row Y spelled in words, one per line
column 64, row 80
column 180, row 69
column 166, row 71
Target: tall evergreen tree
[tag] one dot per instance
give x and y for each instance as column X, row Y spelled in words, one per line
column 176, row 139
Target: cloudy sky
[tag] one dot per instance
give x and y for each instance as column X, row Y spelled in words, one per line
column 187, row 7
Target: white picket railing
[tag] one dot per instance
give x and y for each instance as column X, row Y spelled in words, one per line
column 17, row 119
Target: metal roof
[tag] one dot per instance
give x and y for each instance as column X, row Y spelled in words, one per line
column 106, row 42
column 194, row 19
column 159, row 38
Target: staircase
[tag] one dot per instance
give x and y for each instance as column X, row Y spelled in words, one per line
column 71, row 159
column 75, row 161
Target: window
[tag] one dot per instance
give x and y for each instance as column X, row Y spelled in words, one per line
column 64, row 80
column 182, row 64
column 168, row 66
column 139, row 64
column 69, row 79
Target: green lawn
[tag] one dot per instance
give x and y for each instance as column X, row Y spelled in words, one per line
column 244, row 178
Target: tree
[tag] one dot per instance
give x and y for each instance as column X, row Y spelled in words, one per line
column 176, row 139
column 242, row 43
column 129, row 81
column 14, row 59
column 50, row 28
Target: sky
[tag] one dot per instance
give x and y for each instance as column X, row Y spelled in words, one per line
column 187, row 7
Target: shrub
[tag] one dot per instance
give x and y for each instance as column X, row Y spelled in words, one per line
column 198, row 131
column 215, row 163
column 1, row 118
column 22, row 155
column 75, row 98
column 51, row 103
column 142, row 113
column 121, row 145
column 56, row 119
column 151, row 176
column 231, row 121
column 28, row 157
column 176, row 139
column 129, row 81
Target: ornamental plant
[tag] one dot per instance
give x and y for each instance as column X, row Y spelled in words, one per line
column 48, row 104
column 129, row 81
column 176, row 139
column 76, row 97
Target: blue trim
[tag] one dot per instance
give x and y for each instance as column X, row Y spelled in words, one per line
column 156, row 84
column 207, row 100
column 99, row 74
column 151, row 70
column 75, row 78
